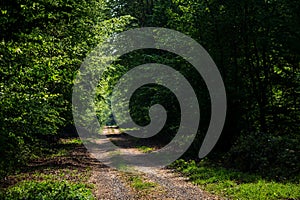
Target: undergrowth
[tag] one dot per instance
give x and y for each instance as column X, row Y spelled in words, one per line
column 234, row 184
column 48, row 190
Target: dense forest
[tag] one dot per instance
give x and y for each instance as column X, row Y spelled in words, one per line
column 254, row 43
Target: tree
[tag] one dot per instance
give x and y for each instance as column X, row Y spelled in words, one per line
column 42, row 46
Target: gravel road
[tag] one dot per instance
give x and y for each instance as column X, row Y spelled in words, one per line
column 112, row 184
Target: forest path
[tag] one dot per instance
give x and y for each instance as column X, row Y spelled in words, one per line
column 142, row 182
column 70, row 161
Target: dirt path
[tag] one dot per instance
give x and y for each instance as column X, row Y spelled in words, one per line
column 165, row 183
column 111, row 184
column 76, row 164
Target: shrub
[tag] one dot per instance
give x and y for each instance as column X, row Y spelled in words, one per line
column 48, row 191
column 260, row 152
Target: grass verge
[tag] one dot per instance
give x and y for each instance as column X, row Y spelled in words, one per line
column 145, row 149
column 139, row 184
column 235, row 185
column 48, row 190
column 60, row 173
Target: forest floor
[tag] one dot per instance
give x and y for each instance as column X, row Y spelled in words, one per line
column 144, row 183
column 73, row 163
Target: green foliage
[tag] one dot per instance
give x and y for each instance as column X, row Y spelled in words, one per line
column 234, row 184
column 258, row 152
column 42, row 44
column 147, row 95
column 139, row 184
column 72, row 141
column 48, row 190
column 255, row 45
column 145, row 149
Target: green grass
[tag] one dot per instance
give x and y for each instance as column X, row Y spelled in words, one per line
column 234, row 184
column 55, row 174
column 58, row 153
column 60, row 149
column 49, row 181
column 71, row 141
column 139, row 184
column 145, row 149
column 47, row 190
